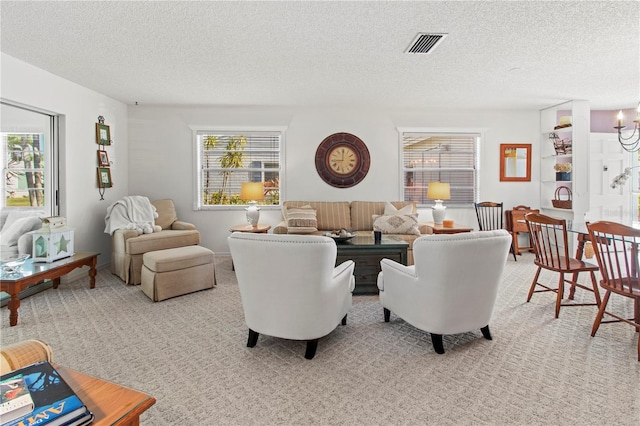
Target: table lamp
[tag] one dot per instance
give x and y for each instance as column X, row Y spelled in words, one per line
column 438, row 191
column 252, row 191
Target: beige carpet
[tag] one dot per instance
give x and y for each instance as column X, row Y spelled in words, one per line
column 190, row 353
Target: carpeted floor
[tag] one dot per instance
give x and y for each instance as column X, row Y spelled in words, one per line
column 189, row 352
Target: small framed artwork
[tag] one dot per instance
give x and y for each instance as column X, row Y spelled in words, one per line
column 515, row 162
column 103, row 135
column 104, row 177
column 103, row 158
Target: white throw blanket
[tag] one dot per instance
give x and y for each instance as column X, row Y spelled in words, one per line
column 131, row 212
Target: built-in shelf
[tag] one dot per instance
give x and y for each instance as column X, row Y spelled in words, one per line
column 578, row 134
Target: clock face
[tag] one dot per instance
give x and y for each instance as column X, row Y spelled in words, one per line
column 342, row 160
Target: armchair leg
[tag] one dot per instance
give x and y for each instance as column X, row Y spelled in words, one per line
column 344, row 320
column 387, row 314
column 312, row 345
column 485, row 332
column 253, row 338
column 513, row 251
column 436, row 339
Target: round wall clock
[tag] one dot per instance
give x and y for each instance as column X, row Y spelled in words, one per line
column 342, row 160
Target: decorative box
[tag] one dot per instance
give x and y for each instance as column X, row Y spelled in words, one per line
column 53, row 241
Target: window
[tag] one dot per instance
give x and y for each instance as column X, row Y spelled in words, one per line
column 446, row 157
column 226, row 159
column 28, row 159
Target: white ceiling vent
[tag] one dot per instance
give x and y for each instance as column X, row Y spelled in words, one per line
column 425, row 43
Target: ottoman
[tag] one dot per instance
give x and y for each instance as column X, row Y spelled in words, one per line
column 174, row 272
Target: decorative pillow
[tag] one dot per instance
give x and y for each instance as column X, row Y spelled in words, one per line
column 301, row 220
column 391, row 210
column 18, row 228
column 397, row 224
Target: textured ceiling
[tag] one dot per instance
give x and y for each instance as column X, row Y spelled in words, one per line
column 497, row 55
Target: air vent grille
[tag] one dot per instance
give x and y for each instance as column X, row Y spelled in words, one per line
column 425, row 43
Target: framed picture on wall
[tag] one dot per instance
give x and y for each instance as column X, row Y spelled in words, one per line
column 104, row 177
column 103, row 158
column 103, row 135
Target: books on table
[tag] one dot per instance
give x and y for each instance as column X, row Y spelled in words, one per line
column 55, row 403
column 16, row 400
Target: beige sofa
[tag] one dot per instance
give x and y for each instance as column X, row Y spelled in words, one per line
column 354, row 216
column 127, row 247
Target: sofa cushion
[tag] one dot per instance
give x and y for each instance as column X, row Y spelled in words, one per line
column 162, row 240
column 362, row 212
column 330, row 214
column 396, row 224
column 301, row 220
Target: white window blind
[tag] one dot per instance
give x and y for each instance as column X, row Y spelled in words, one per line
column 226, row 159
column 449, row 158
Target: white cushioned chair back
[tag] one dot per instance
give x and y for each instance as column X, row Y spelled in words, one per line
column 457, row 280
column 283, row 282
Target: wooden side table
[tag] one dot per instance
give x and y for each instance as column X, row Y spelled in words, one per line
column 258, row 229
column 111, row 404
column 455, row 229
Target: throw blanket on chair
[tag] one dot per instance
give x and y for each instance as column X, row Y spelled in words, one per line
column 131, row 212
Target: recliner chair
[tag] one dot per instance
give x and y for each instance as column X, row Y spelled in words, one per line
column 127, row 247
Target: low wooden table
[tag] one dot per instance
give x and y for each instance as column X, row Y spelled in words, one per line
column 455, row 229
column 111, row 404
column 35, row 272
column 367, row 255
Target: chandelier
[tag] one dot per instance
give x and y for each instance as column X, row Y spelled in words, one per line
column 629, row 143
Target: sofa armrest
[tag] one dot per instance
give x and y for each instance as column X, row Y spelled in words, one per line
column 24, row 353
column 424, row 228
column 281, row 228
column 120, row 237
column 182, row 226
column 25, row 244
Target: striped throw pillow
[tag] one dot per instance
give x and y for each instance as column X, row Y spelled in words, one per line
column 301, row 220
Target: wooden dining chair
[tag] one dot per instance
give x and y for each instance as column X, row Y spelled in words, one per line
column 616, row 249
column 490, row 217
column 549, row 240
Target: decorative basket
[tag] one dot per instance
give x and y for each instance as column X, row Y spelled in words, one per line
column 562, row 204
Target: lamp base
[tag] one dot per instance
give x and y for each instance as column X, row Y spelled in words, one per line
column 253, row 214
column 438, row 212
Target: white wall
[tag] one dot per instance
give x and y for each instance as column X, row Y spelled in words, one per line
column 161, row 156
column 153, row 152
column 79, row 109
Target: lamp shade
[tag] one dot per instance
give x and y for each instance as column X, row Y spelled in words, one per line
column 252, row 191
column 438, row 191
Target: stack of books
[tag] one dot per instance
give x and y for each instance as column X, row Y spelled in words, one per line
column 37, row 395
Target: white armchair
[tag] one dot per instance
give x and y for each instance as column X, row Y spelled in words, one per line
column 290, row 287
column 452, row 286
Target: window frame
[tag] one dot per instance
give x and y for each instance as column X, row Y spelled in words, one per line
column 197, row 161
column 51, row 160
column 477, row 133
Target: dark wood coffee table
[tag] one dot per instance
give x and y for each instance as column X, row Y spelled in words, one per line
column 34, row 272
column 367, row 255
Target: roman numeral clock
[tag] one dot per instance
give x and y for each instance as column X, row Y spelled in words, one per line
column 342, row 160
